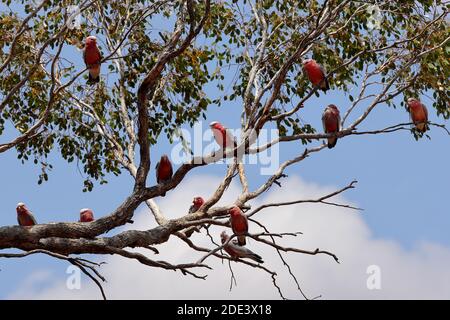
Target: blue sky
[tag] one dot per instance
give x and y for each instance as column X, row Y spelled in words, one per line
column 402, row 186
column 403, row 183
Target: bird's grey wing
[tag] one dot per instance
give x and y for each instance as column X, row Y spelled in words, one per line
column 323, row 120
column 33, row 218
column 156, row 169
column 339, row 122
column 324, row 72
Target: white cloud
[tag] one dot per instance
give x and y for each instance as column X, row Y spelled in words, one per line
column 405, row 274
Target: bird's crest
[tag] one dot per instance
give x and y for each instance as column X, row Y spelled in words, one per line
column 332, row 106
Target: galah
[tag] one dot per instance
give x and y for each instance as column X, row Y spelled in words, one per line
column 239, row 224
column 331, row 121
column 236, row 251
column 86, row 215
column 316, row 74
column 196, row 204
column 24, row 215
column 164, row 170
column 92, row 58
column 418, row 113
column 222, row 135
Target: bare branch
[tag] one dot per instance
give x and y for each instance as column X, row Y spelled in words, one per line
column 319, row 200
column 83, row 264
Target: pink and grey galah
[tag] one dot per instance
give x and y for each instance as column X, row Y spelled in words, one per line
column 86, row 215
column 316, row 74
column 222, row 135
column 24, row 216
column 239, row 224
column 92, row 58
column 164, row 170
column 236, row 251
column 331, row 121
column 196, row 204
column 418, row 113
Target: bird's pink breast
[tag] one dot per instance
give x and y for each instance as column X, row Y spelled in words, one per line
column 87, row 217
column 25, row 219
column 240, row 224
column 220, row 136
column 314, row 72
column 331, row 122
column 92, row 55
column 418, row 112
column 230, row 251
column 164, row 171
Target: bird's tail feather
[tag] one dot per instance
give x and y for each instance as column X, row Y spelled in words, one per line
column 332, row 142
column 422, row 127
column 92, row 80
column 256, row 257
column 241, row 240
column 325, row 85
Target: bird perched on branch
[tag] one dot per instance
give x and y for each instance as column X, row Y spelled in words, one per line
column 331, row 121
column 316, row 74
column 196, row 204
column 86, row 215
column 92, row 58
column 164, row 170
column 418, row 113
column 222, row 135
column 239, row 224
column 25, row 217
column 236, row 251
